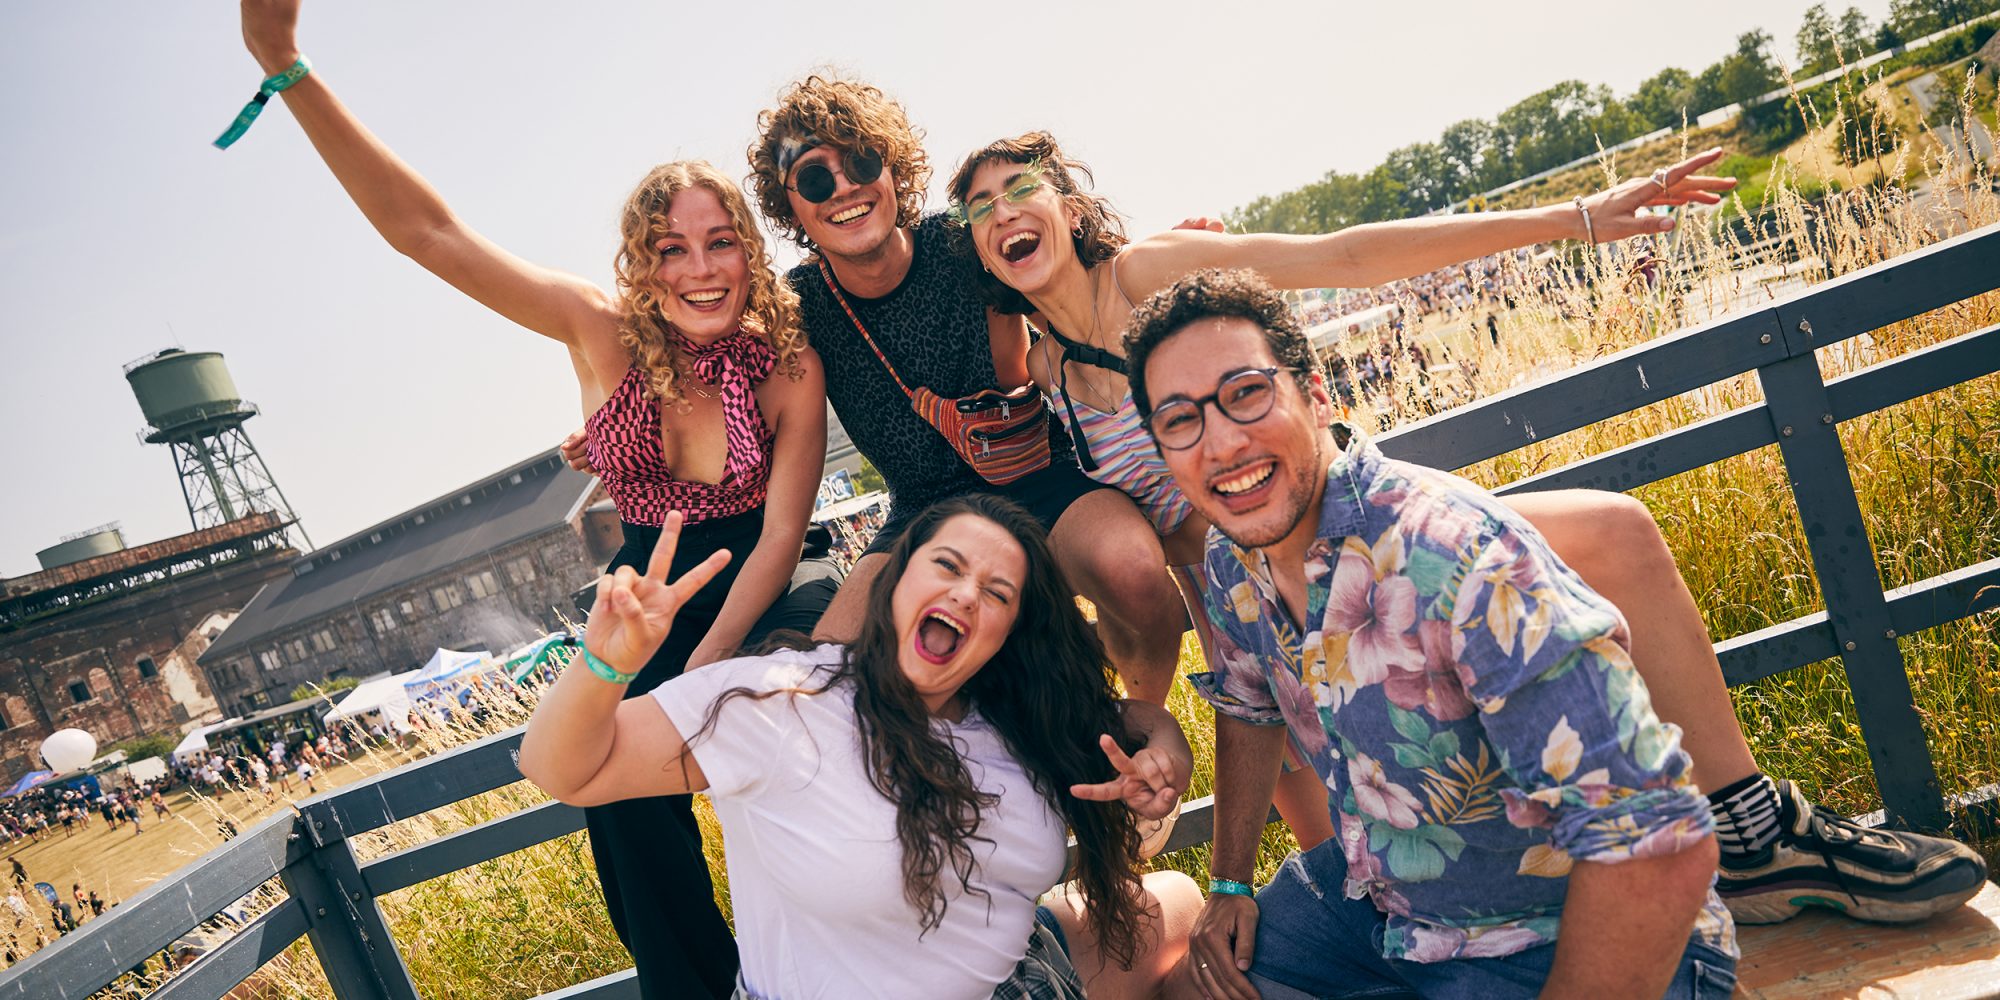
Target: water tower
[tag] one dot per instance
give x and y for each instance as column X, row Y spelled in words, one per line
column 86, row 544
column 192, row 406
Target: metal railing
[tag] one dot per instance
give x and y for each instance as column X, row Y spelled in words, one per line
column 333, row 894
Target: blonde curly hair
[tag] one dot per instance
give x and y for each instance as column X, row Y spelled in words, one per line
column 771, row 310
column 846, row 115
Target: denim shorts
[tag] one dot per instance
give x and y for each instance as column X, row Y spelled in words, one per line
column 1313, row 943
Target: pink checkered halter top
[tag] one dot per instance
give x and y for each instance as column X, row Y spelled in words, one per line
column 624, row 436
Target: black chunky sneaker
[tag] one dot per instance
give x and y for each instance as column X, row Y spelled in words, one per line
column 1825, row 860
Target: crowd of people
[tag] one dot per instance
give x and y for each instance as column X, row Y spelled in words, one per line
column 42, row 812
column 281, row 767
column 1474, row 288
column 1445, row 694
column 40, row 911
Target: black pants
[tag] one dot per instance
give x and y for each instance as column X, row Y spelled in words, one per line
column 648, row 851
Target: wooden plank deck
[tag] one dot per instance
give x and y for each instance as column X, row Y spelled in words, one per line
column 1821, row 956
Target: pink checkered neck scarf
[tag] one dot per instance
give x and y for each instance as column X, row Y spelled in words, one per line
column 624, row 436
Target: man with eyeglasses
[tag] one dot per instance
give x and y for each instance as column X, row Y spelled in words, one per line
column 838, row 168
column 1513, row 818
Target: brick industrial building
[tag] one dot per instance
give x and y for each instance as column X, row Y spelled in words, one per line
column 108, row 642
column 485, row 566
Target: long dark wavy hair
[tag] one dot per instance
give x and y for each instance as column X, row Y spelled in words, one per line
column 1047, row 692
column 1103, row 230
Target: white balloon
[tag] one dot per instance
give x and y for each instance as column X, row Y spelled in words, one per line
column 68, row 749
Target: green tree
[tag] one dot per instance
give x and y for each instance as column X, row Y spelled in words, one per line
column 1708, row 90
column 868, row 478
column 1426, row 177
column 1750, row 71
column 1914, row 18
column 1560, row 124
column 1379, row 196
column 1818, row 40
column 1467, row 147
column 158, row 745
column 329, row 688
column 1665, row 99
column 1856, row 37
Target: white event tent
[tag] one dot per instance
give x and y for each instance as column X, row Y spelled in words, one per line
column 384, row 694
column 446, row 665
column 197, row 741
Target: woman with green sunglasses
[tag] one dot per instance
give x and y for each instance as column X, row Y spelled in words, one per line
column 1016, row 199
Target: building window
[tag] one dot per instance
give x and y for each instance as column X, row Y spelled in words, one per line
column 323, row 641
column 382, row 619
column 483, row 584
column 79, row 692
column 296, row 649
column 147, row 668
column 447, row 596
column 520, row 571
column 269, row 660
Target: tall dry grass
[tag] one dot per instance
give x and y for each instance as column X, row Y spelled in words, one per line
column 1925, row 472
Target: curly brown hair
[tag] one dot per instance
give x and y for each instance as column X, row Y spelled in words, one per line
column 1047, row 691
column 771, row 310
column 1102, row 232
column 844, row 114
column 1208, row 293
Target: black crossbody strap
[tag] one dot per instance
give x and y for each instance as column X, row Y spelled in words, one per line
column 1088, row 354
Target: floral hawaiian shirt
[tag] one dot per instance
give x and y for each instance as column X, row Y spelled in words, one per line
column 1469, row 702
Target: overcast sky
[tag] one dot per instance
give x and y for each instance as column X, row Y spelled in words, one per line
column 123, row 231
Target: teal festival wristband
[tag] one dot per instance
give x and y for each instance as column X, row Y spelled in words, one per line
column 606, row 670
column 271, row 85
column 1230, row 887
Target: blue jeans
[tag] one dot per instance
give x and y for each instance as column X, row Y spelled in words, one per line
column 1313, row 943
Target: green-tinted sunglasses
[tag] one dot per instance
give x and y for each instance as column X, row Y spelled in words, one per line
column 1024, row 185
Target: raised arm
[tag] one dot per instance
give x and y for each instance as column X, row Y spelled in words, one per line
column 586, row 747
column 797, row 458
column 408, row 212
column 1369, row 255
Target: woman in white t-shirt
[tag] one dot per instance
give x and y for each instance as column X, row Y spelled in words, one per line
column 893, row 810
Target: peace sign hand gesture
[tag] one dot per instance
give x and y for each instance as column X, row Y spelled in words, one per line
column 634, row 612
column 1146, row 781
column 1614, row 214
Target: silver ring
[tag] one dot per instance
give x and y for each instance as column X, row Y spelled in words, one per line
column 1660, row 178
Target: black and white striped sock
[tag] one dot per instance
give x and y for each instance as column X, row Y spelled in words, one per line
column 1746, row 815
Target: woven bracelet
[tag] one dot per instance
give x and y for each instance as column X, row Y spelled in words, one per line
column 271, row 85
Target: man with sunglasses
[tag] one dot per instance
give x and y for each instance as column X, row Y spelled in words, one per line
column 838, row 168
column 1513, row 818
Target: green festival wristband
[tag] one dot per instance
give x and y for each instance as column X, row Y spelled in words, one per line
column 546, row 651
column 271, row 85
column 606, row 670
column 1230, row 887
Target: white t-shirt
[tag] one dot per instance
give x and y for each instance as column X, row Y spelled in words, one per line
column 815, row 869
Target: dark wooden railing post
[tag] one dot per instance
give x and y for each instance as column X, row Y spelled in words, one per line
column 344, row 922
column 1849, row 581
